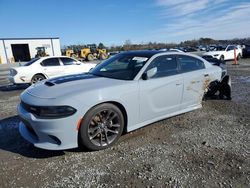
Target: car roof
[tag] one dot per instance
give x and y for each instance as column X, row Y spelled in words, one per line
column 47, row 57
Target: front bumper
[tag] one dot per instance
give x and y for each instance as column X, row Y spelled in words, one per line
column 51, row 134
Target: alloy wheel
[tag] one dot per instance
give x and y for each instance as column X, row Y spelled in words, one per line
column 104, row 127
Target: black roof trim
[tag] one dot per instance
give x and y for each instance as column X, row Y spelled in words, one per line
column 144, row 53
column 35, row 38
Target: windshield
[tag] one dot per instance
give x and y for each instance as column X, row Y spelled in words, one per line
column 31, row 62
column 121, row 66
column 220, row 48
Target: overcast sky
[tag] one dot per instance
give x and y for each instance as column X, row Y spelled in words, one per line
column 115, row 21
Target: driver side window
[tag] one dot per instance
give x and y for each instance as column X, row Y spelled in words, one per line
column 166, row 66
column 230, row 48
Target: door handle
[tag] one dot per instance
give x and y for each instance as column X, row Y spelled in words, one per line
column 178, row 84
column 206, row 75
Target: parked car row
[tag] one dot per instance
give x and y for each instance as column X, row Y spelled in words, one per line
column 214, row 51
column 123, row 93
column 179, row 49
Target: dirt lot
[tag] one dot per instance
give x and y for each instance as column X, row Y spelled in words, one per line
column 209, row 147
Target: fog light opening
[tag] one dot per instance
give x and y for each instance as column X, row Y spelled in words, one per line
column 58, row 142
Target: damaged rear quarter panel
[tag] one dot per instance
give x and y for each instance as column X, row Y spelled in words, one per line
column 213, row 73
column 197, row 82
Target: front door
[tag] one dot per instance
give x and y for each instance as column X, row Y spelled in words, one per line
column 229, row 53
column 161, row 94
column 70, row 66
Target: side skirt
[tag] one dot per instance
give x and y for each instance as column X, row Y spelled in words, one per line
column 137, row 126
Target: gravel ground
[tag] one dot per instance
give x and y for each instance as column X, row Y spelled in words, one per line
column 209, row 147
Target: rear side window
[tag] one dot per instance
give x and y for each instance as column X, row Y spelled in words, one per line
column 31, row 62
column 188, row 63
column 50, row 62
column 68, row 61
column 166, row 66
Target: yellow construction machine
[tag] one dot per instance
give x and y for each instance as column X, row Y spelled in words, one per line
column 89, row 52
column 41, row 52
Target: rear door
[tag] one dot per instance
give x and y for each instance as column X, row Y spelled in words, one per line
column 52, row 67
column 194, row 75
column 161, row 94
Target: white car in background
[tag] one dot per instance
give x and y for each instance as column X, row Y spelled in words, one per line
column 47, row 67
column 224, row 54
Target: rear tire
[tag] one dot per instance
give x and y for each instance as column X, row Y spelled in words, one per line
column 101, row 127
column 238, row 57
column 37, row 78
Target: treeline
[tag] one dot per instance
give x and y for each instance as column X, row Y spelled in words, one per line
column 128, row 45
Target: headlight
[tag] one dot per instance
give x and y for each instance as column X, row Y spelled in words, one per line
column 56, row 111
column 49, row 111
column 13, row 72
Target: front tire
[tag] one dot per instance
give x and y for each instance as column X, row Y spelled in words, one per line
column 101, row 127
column 222, row 57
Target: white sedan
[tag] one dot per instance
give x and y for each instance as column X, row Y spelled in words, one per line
column 224, row 54
column 47, row 67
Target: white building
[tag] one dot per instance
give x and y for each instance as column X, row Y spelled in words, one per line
column 23, row 49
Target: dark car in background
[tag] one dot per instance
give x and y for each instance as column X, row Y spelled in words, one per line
column 190, row 49
column 246, row 51
column 212, row 60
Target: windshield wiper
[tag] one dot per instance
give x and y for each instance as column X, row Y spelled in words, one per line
column 99, row 75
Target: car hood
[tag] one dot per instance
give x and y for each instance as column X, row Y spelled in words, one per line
column 213, row 53
column 71, row 85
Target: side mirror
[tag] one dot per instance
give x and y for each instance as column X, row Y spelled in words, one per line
column 78, row 63
column 144, row 76
column 149, row 74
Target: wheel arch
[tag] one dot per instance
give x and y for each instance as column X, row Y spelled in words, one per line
column 124, row 113
column 42, row 74
column 117, row 104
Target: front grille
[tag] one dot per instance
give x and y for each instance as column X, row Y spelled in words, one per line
column 207, row 56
